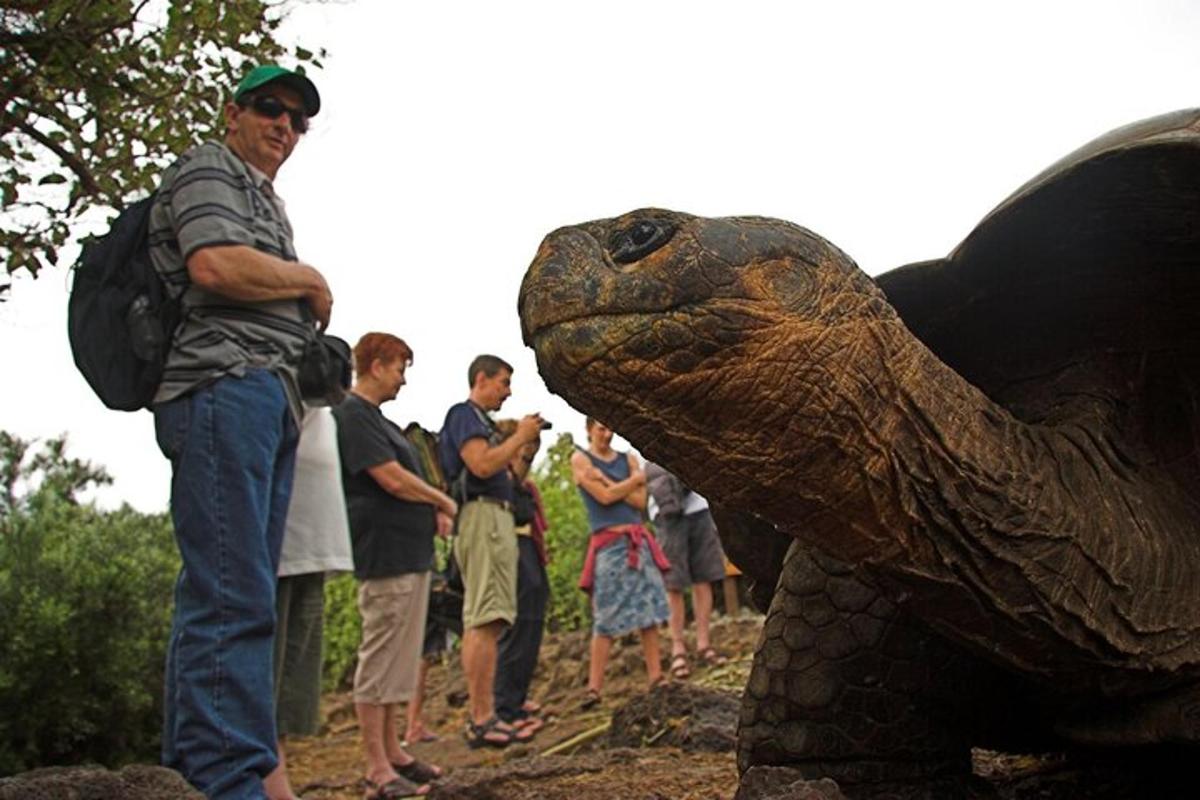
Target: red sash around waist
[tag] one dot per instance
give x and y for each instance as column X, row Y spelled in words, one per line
column 606, row 536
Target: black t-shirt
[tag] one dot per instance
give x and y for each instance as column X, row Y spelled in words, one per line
column 390, row 536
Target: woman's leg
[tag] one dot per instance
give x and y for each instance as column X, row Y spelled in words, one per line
column 650, row 650
column 371, row 725
column 415, row 726
column 601, row 647
column 397, row 756
column 678, row 606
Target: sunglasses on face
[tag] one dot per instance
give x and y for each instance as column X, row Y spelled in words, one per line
column 271, row 107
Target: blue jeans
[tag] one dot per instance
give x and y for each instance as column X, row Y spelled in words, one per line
column 232, row 446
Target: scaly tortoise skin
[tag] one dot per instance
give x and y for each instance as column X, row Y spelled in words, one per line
column 971, row 483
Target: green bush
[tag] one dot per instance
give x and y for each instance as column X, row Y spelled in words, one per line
column 343, row 631
column 86, row 599
column 566, row 540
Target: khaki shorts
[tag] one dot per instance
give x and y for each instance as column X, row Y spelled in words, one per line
column 393, row 623
column 486, row 551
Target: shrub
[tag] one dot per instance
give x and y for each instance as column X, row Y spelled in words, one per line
column 86, row 599
column 343, row 631
column 566, row 540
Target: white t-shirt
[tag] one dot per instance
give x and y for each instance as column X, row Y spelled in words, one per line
column 692, row 503
column 317, row 536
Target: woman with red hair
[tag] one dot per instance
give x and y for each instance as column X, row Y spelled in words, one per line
column 394, row 513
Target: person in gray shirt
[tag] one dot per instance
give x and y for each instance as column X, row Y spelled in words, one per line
column 688, row 536
column 226, row 415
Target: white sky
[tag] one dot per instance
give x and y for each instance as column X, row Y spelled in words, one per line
column 455, row 135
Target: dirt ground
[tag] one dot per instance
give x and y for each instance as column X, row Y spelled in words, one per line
column 674, row 742
column 580, row 765
column 575, row 758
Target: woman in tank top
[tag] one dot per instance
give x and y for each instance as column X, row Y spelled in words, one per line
column 624, row 565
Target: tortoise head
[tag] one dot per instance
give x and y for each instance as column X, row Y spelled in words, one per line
column 671, row 327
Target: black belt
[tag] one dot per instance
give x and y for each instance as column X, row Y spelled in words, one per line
column 495, row 501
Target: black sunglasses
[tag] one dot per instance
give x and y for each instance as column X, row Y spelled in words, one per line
column 271, row 107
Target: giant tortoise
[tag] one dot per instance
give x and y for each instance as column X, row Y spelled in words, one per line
column 969, row 488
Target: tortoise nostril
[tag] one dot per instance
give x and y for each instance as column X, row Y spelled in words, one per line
column 553, row 268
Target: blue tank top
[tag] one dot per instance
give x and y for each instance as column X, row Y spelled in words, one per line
column 619, row 513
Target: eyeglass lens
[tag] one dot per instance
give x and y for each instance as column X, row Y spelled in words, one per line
column 271, row 107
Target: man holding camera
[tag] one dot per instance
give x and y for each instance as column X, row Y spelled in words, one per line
column 226, row 414
column 475, row 460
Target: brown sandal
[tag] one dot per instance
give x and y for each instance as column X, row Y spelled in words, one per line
column 712, row 658
column 418, row 771
column 591, row 699
column 679, row 667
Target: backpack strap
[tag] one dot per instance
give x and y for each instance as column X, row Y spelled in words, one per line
column 458, row 484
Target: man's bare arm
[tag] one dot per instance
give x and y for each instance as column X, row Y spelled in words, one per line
column 240, row 272
column 484, row 461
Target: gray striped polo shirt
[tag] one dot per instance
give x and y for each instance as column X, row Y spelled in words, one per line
column 210, row 197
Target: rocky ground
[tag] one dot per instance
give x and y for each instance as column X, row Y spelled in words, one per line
column 579, row 755
column 673, row 743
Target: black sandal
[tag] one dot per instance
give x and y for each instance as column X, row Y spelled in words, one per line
column 394, row 789
column 477, row 734
column 417, row 771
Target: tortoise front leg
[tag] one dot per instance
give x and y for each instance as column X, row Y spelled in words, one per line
column 844, row 686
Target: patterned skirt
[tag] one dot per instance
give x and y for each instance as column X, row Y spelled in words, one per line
column 626, row 599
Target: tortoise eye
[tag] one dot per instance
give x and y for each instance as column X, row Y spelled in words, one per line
column 639, row 240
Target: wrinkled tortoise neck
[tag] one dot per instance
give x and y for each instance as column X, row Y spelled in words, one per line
column 1003, row 532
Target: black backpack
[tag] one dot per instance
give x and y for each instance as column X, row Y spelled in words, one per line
column 120, row 318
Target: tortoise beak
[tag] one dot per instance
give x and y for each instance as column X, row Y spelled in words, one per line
column 564, row 282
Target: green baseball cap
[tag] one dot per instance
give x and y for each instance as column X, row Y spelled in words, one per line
column 270, row 73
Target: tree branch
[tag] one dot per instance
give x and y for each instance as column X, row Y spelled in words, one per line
column 72, row 161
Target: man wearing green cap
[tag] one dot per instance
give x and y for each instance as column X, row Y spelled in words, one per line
column 226, row 415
